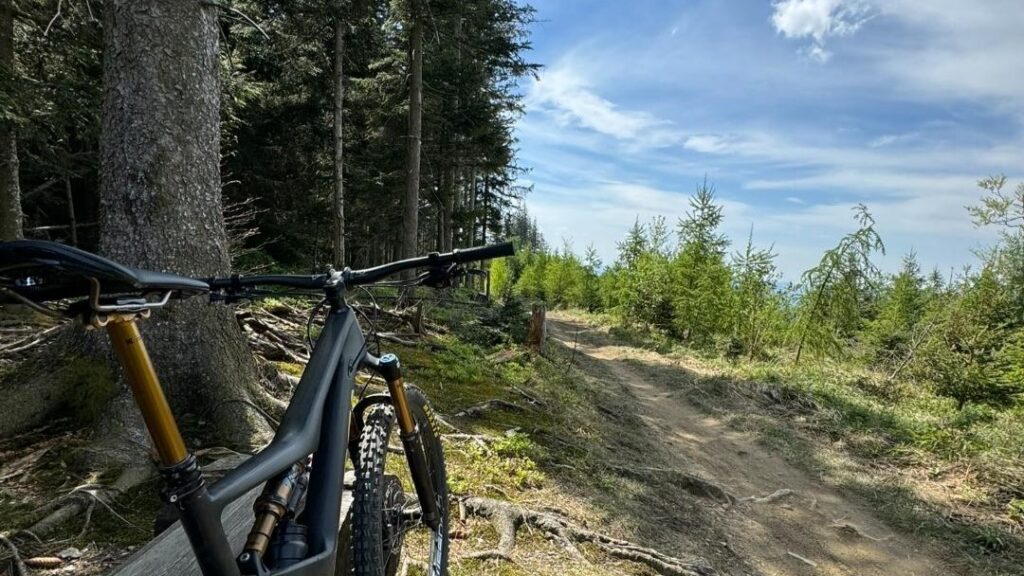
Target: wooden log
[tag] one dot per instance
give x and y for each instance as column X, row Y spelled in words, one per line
column 169, row 553
column 538, row 329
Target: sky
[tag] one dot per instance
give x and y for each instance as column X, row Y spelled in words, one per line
column 795, row 110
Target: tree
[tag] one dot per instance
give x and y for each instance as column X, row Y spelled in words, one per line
column 10, row 191
column 1005, row 210
column 338, row 220
column 160, row 204
column 900, row 309
column 589, row 297
column 700, row 278
column 833, row 291
column 410, row 218
column 757, row 309
column 967, row 356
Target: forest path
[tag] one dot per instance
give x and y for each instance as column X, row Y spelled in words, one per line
column 815, row 530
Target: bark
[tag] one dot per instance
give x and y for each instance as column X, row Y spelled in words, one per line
column 339, row 113
column 10, row 191
column 410, row 219
column 160, row 206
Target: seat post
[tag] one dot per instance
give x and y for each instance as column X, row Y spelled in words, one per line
column 149, row 395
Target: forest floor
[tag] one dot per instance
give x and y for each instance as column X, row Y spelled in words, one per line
column 720, row 476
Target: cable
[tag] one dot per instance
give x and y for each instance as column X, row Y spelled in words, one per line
column 309, row 325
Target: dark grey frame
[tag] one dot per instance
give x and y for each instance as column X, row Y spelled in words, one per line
column 315, row 422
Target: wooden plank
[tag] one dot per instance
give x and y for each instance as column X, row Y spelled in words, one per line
column 169, row 553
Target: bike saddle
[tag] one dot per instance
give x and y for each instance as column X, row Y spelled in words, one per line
column 42, row 271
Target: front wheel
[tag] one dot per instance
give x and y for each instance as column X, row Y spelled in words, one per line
column 387, row 530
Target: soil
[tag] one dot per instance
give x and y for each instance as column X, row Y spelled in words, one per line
column 814, row 529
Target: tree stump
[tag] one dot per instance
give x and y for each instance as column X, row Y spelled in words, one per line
column 538, row 329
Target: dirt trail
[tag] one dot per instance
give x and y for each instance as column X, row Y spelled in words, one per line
column 810, row 531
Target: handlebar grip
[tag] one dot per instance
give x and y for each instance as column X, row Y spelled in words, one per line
column 485, row 252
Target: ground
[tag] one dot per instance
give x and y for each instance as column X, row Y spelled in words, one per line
column 815, row 529
column 656, row 448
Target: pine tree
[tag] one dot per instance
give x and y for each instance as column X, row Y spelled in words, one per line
column 700, row 278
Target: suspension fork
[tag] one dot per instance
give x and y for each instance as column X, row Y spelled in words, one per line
column 408, row 431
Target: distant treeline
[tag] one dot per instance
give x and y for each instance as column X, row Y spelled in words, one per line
column 962, row 335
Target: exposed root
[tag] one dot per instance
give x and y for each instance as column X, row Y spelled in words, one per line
column 494, row 404
column 807, row 561
column 689, row 482
column 507, row 518
column 780, row 494
column 83, row 498
column 853, row 529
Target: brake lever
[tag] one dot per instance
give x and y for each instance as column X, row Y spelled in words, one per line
column 441, row 277
column 233, row 296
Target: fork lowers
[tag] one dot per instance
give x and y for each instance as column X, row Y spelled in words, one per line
column 391, row 370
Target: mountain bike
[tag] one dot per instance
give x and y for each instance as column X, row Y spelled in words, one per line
column 296, row 521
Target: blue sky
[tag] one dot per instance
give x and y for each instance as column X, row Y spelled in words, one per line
column 796, row 110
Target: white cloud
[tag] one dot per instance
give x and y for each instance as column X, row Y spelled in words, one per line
column 706, row 144
column 819, row 20
column 570, row 100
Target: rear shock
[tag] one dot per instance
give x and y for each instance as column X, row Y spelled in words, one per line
column 276, row 539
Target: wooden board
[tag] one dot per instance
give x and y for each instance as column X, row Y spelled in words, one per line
column 169, row 553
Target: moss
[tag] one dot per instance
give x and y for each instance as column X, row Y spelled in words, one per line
column 291, row 368
column 89, row 385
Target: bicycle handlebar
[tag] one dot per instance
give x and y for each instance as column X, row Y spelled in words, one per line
column 367, row 275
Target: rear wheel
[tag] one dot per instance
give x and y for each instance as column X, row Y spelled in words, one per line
column 387, row 530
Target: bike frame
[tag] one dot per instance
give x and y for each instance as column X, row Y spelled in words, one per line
column 317, row 422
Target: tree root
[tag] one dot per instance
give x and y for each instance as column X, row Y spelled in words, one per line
column 849, row 528
column 769, row 499
column 689, row 482
column 507, row 518
column 83, row 499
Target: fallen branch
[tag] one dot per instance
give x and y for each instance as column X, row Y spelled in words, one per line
column 529, row 397
column 16, row 561
column 493, row 404
column 507, row 518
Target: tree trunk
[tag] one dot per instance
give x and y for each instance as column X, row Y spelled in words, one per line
column 10, row 191
column 537, row 334
column 339, row 111
column 72, row 221
column 472, row 207
column 160, row 206
column 410, row 220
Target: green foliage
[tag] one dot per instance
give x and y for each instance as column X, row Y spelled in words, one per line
column 701, row 280
column 757, row 315
column 958, row 357
column 901, row 305
column 836, row 291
